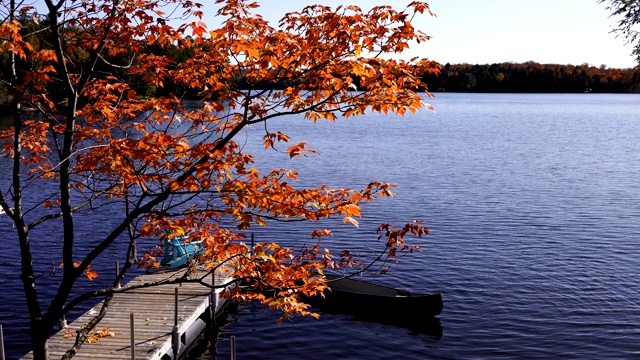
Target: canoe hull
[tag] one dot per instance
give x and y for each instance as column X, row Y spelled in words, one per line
column 366, row 299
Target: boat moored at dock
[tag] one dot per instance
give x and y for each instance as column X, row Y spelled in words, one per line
column 351, row 295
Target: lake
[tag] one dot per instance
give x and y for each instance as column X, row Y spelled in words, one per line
column 533, row 201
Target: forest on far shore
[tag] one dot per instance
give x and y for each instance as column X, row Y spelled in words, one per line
column 531, row 77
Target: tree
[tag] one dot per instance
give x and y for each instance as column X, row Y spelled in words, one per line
column 170, row 170
column 628, row 12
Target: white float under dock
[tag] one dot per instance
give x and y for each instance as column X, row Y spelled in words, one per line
column 154, row 317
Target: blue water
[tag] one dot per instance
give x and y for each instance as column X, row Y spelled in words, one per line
column 533, row 201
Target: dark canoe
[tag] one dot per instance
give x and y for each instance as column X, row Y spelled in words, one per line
column 365, row 299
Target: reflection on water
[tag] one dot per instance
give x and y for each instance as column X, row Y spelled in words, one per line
column 425, row 326
column 205, row 347
column 215, row 343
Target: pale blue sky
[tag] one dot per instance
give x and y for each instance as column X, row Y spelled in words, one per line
column 488, row 31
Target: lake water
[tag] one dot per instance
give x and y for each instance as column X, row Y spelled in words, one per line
column 533, row 201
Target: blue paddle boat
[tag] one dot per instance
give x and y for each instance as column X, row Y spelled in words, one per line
column 177, row 252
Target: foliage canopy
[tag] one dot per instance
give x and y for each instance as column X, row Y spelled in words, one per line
column 106, row 81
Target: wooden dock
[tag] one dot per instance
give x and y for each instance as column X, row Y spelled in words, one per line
column 154, row 316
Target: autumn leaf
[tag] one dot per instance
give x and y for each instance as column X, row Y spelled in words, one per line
column 90, row 274
column 349, row 219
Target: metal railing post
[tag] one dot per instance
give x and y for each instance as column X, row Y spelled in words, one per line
column 233, row 347
column 174, row 334
column 1, row 343
column 133, row 338
column 175, row 309
column 214, row 297
column 117, row 271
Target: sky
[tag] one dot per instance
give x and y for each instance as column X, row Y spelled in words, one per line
column 492, row 31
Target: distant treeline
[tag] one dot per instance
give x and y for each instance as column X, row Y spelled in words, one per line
column 533, row 77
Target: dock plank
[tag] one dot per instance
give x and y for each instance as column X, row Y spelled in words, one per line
column 153, row 310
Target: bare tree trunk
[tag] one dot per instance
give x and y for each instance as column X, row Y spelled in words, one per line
column 39, row 331
column 39, row 336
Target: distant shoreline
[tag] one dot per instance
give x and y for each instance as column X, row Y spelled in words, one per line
column 531, row 77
